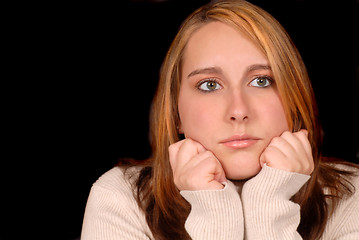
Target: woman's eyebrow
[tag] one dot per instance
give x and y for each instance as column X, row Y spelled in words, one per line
column 209, row 70
column 217, row 70
column 256, row 67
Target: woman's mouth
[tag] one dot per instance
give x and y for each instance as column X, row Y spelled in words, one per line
column 240, row 141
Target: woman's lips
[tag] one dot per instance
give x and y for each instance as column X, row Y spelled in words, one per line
column 239, row 142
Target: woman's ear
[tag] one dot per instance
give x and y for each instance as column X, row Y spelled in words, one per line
column 179, row 129
column 180, row 132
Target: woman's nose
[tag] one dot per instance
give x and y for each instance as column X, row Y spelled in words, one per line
column 237, row 107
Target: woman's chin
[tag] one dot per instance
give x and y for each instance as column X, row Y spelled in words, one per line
column 241, row 166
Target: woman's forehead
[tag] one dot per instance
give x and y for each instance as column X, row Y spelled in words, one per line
column 216, row 44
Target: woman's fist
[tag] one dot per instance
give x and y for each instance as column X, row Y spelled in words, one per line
column 194, row 167
column 291, row 152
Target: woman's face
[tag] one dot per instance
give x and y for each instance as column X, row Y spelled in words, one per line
column 228, row 100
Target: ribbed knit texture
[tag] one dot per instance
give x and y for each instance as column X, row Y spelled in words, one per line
column 112, row 211
column 222, row 207
column 267, row 207
column 262, row 210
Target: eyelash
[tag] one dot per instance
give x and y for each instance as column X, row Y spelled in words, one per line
column 214, row 80
column 198, row 85
column 268, row 78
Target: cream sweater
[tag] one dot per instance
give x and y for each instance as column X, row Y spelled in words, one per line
column 261, row 209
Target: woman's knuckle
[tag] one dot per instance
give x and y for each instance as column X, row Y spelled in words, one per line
column 275, row 140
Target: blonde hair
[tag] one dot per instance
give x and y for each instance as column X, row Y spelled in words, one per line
column 157, row 195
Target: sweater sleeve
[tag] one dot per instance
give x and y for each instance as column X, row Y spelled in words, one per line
column 268, row 211
column 215, row 214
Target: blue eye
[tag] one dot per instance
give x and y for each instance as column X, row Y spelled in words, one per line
column 209, row 86
column 261, row 81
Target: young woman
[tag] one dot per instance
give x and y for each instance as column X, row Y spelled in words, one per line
column 236, row 144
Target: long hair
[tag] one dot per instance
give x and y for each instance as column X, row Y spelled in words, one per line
column 165, row 209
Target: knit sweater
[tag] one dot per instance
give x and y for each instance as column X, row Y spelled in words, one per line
column 259, row 209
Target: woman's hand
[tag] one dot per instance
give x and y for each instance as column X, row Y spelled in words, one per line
column 195, row 168
column 291, row 152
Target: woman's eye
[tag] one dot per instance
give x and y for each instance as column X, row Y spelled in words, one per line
column 262, row 82
column 209, row 86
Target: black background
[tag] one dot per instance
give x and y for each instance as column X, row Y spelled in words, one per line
column 81, row 81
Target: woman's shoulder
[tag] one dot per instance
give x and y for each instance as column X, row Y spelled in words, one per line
column 112, row 208
column 118, row 179
column 349, row 179
column 345, row 218
column 353, row 179
column 350, row 172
